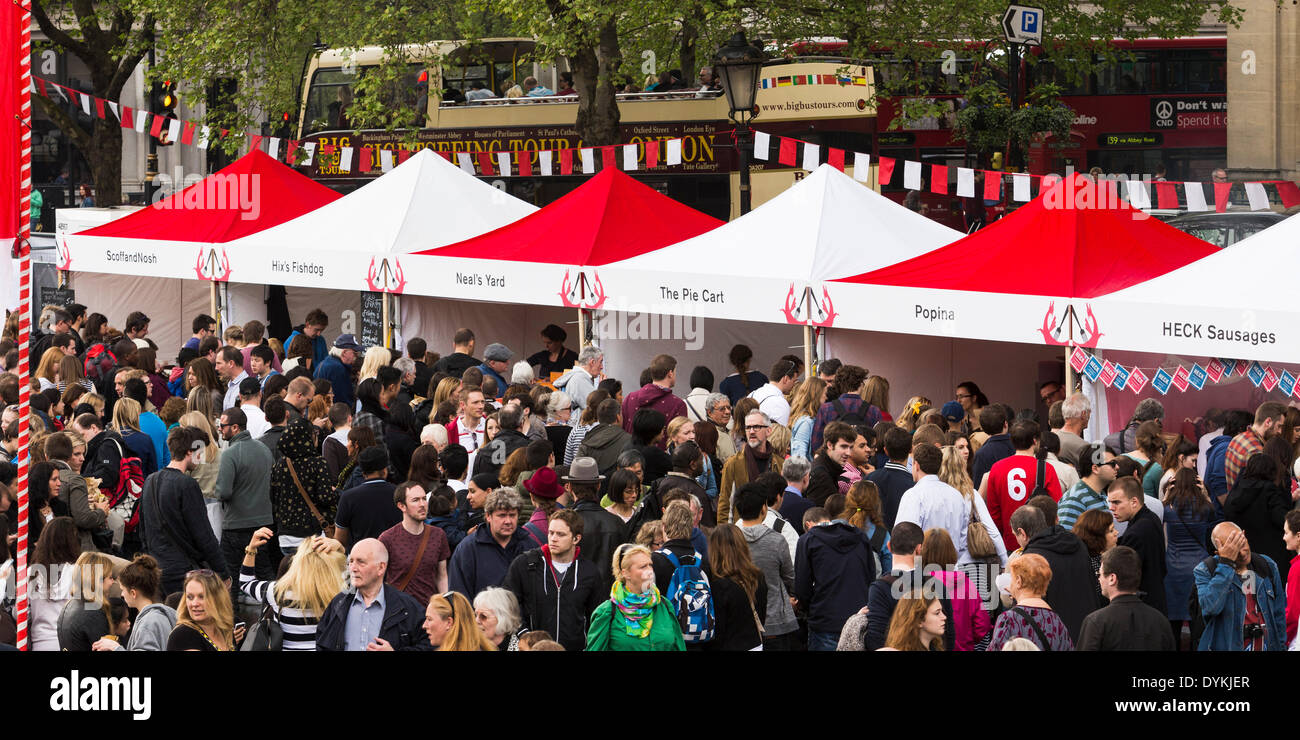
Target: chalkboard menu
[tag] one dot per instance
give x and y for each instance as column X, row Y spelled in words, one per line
column 51, row 296
column 372, row 319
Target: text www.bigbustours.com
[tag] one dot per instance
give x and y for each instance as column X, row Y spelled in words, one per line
column 1203, row 708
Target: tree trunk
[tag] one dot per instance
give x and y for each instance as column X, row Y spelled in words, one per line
column 105, row 158
column 690, row 35
column 593, row 76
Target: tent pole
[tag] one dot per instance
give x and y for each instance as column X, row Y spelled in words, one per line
column 387, row 335
column 1069, row 374
column 583, row 339
column 807, row 351
column 212, row 304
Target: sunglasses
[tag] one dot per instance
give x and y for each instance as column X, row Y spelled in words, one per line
column 200, row 572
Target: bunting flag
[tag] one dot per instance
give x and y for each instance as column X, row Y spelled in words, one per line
column 652, row 154
column 992, row 185
column 939, row 179
column 835, row 158
column 345, row 158
column 1166, row 196
column 674, row 155
column 606, row 157
column 544, row 158
column 811, row 157
column 965, row 182
column 861, row 167
column 466, row 164
column 405, row 154
column 588, row 161
column 1221, row 192
column 566, row 161
column 886, row 170
column 1195, row 197
column 762, row 144
column 503, row 163
column 629, row 156
column 157, row 126
column 1137, row 194
column 365, row 161
column 1020, row 187
column 524, row 160
column 1257, row 197
column 786, row 154
column 911, row 175
column 1183, row 377
column 309, row 149
column 1289, row 192
column 127, row 117
column 273, row 147
column 485, row 164
column 385, row 160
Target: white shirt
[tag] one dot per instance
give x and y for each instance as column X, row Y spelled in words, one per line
column 257, row 423
column 470, row 439
column 933, row 503
column 787, row 531
column 771, row 401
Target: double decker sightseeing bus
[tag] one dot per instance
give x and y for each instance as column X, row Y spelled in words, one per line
column 823, row 100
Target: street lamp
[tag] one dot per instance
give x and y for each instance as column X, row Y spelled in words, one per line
column 738, row 65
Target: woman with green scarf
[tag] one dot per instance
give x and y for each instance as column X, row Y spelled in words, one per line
column 636, row 617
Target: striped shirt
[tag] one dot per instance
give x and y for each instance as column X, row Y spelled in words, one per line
column 576, row 436
column 298, row 625
column 1239, row 451
column 1078, row 499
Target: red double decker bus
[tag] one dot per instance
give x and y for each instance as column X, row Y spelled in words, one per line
column 1167, row 104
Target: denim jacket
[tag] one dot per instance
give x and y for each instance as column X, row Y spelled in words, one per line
column 1223, row 604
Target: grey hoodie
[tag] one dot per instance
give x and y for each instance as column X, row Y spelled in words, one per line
column 151, row 628
column 771, row 554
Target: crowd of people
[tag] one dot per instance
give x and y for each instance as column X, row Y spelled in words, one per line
column 312, row 495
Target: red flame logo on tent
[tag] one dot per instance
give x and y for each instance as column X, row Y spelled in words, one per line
column 581, row 292
column 386, row 278
column 65, row 254
column 1058, row 332
column 807, row 309
column 210, row 266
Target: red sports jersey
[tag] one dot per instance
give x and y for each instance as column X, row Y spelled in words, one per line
column 1011, row 482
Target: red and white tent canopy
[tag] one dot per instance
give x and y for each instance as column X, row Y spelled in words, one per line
column 1029, row 277
column 182, row 235
column 540, row 259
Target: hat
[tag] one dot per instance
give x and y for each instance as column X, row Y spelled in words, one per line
column 497, row 352
column 250, row 386
column 953, row 412
column 544, row 484
column 347, row 341
column 373, row 459
column 584, row 470
column 141, row 343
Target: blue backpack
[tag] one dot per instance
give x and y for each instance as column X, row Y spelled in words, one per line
column 691, row 598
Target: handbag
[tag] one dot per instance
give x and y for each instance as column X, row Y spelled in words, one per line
column 325, row 526
column 978, row 542
column 266, row 635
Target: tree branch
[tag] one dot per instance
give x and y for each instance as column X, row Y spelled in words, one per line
column 57, row 35
column 75, row 133
column 90, row 30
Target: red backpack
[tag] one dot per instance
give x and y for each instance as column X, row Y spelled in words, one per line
column 125, row 497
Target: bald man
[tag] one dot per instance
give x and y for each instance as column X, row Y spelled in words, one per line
column 1241, row 595
column 374, row 617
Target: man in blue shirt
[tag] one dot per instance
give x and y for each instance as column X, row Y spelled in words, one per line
column 203, row 326
column 313, row 329
column 337, row 368
column 376, row 617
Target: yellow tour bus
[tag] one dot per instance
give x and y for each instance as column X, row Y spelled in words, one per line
column 470, row 103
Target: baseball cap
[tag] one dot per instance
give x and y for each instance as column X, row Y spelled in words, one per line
column 347, row 341
column 953, row 412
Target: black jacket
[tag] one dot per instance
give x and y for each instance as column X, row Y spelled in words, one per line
column 602, row 533
column 1070, row 593
column 994, row 448
column 456, row 364
column 1259, row 508
column 892, row 484
column 824, row 481
column 172, row 509
column 736, row 628
column 1127, row 624
column 562, row 609
column 833, row 569
column 493, row 455
column 104, row 459
column 1146, row 535
column 403, row 625
column 657, row 462
column 882, row 599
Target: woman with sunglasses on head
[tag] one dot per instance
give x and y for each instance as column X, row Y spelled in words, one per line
column 637, row 616
column 449, row 622
column 205, row 621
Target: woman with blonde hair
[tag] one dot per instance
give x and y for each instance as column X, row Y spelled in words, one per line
column 449, row 623
column 636, row 617
column 446, row 390
column 876, row 392
column 376, row 357
column 778, row 438
column 807, row 400
column 298, row 599
column 86, row 617
column 953, row 472
column 917, row 625
column 982, row 535
column 912, row 412
column 205, row 473
column 46, row 375
column 205, row 622
column 126, row 422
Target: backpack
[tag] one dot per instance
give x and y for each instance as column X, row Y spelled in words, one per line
column 1040, row 485
column 125, row 497
column 98, row 364
column 691, row 598
column 852, row 418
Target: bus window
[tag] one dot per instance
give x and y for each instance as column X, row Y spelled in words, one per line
column 328, row 99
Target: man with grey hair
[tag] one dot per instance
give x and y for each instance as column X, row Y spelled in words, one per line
column 581, row 380
column 796, row 471
column 484, row 558
column 1125, row 440
column 337, row 368
column 1077, row 410
column 492, row 456
column 375, row 617
column 718, row 409
column 496, row 361
column 744, row 466
column 407, row 391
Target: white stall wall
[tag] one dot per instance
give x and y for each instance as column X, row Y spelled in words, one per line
column 516, row 326
column 933, row 366
column 631, row 341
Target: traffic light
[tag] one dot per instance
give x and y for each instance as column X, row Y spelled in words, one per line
column 997, row 161
column 164, row 104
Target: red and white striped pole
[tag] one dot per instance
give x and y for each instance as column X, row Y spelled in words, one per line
column 23, row 252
